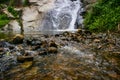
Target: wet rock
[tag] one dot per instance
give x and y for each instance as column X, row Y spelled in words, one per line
column 43, row 53
column 66, row 33
column 57, row 35
column 53, row 44
column 52, row 50
column 18, row 39
column 3, row 43
column 87, row 32
column 1, row 49
column 79, row 31
column 96, row 40
column 46, row 36
column 1, row 54
column 36, row 42
column 100, row 35
column 28, row 41
column 111, row 41
column 29, row 74
column 99, row 47
column 32, row 71
column 24, row 58
column 79, row 38
column 26, row 65
column 32, row 41
column 74, row 37
column 44, row 44
column 11, row 47
column 36, row 47
column 30, row 53
column 63, row 38
column 7, row 62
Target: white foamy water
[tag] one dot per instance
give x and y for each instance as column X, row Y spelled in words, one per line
column 63, row 16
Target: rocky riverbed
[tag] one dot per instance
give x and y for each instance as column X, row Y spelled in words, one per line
column 67, row 56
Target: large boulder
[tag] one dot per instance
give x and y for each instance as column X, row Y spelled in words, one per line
column 31, row 18
column 17, row 39
column 33, row 15
column 13, row 26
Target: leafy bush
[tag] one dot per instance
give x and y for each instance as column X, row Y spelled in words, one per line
column 26, row 3
column 12, row 11
column 3, row 20
column 104, row 15
column 3, row 1
column 12, row 2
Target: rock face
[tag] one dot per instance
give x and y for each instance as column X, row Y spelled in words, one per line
column 30, row 19
column 32, row 16
column 13, row 26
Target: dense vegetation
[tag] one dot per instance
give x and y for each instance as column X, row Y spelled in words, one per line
column 104, row 15
column 9, row 5
column 3, row 1
column 13, row 12
column 3, row 20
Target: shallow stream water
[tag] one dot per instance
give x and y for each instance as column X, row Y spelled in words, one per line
column 70, row 63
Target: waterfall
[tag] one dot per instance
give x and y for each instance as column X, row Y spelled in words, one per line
column 63, row 15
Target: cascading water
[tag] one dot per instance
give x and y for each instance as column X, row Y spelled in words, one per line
column 63, row 16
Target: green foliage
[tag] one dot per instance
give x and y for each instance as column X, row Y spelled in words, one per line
column 3, row 20
column 3, row 17
column 3, row 1
column 12, row 2
column 13, row 12
column 3, row 36
column 26, row 3
column 104, row 15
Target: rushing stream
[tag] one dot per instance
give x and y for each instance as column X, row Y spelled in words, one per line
column 73, row 60
column 63, row 16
